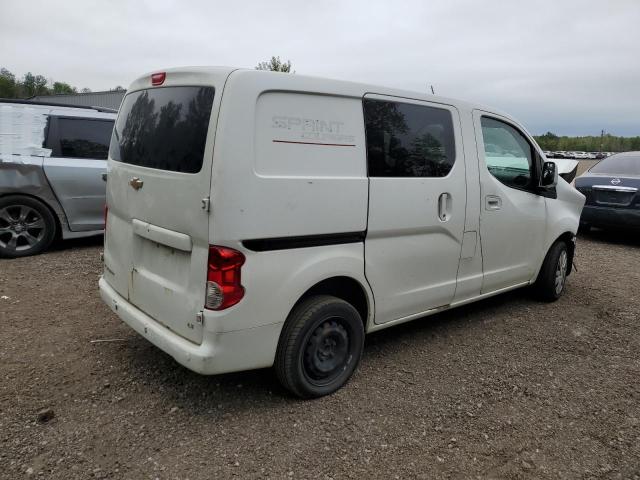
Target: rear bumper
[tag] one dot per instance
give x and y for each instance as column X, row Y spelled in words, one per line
column 219, row 352
column 610, row 217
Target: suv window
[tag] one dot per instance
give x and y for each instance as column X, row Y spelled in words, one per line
column 81, row 138
column 508, row 154
column 163, row 128
column 408, row 140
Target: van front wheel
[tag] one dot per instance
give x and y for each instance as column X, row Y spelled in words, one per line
column 320, row 346
column 552, row 278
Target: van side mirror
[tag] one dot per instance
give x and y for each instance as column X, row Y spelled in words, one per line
column 549, row 177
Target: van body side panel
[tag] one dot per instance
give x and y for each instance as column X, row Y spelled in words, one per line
column 288, row 165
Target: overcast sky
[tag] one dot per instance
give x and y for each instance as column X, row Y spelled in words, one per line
column 572, row 67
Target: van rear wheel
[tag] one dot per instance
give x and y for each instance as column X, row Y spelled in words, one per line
column 27, row 226
column 320, row 346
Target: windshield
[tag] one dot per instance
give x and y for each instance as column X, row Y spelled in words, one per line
column 621, row 164
column 163, row 128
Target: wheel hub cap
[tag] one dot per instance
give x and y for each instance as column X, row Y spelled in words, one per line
column 327, row 351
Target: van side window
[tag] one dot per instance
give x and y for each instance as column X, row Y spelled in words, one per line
column 80, row 138
column 508, row 154
column 408, row 140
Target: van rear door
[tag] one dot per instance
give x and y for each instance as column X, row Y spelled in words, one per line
column 157, row 239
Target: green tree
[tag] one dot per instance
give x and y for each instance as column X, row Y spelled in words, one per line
column 61, row 88
column 8, row 86
column 275, row 65
column 550, row 141
column 33, row 85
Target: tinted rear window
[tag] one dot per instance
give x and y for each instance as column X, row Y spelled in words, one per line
column 618, row 165
column 163, row 128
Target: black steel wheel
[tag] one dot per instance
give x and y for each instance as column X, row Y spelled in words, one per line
column 27, row 226
column 320, row 346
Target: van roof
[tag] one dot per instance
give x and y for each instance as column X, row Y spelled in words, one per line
column 314, row 83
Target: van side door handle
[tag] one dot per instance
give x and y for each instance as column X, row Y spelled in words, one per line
column 493, row 202
column 444, row 207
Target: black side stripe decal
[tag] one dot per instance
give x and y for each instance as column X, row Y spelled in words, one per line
column 285, row 243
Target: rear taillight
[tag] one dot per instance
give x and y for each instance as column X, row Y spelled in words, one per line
column 224, row 288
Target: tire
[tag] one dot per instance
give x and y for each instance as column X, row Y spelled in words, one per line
column 320, row 346
column 552, row 278
column 27, row 226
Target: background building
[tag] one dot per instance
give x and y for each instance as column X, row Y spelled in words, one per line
column 109, row 99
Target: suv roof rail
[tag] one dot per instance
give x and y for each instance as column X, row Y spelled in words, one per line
column 25, row 101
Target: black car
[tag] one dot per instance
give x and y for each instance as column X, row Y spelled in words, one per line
column 612, row 190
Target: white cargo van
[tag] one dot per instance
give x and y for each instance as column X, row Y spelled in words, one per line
column 260, row 219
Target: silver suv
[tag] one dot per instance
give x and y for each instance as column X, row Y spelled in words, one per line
column 52, row 162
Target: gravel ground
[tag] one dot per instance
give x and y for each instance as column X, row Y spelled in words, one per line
column 504, row 388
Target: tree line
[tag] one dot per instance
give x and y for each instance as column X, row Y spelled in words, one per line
column 30, row 85
column 591, row 143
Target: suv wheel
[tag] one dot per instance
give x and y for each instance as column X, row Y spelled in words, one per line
column 27, row 226
column 320, row 346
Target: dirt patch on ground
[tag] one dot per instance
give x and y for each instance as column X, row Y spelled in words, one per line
column 506, row 388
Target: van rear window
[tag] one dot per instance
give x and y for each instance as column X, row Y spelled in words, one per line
column 163, row 128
